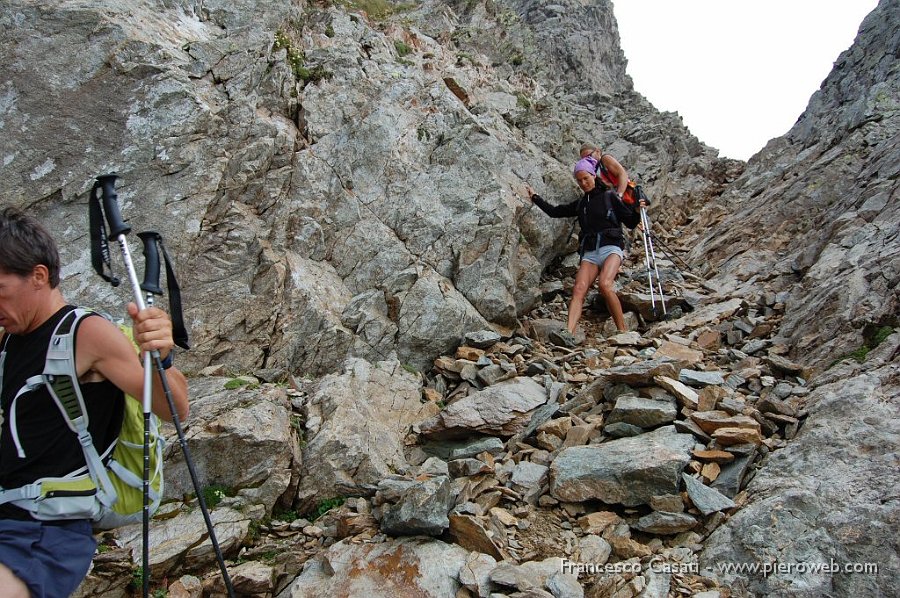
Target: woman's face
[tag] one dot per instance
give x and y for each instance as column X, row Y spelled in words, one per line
column 585, row 180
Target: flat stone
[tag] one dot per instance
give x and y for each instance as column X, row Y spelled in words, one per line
column 710, row 471
column 559, row 427
column 707, row 500
column 686, row 396
column 700, row 379
column 667, row 503
column 528, row 575
column 460, row 468
column 713, row 456
column 469, row 353
column 594, row 549
column 597, row 522
column 483, row 339
column 710, row 421
column 688, row 426
column 470, row 533
column 771, row 404
column 709, row 339
column 732, row 475
column 499, row 410
column 626, row 548
column 755, row 345
column 678, row 353
column 783, row 365
column 665, row 524
column 462, row 449
column 642, row 412
column 730, row 436
column 578, row 435
column 628, row 339
column 421, row 510
column 642, row 373
column 709, row 397
column 621, row 430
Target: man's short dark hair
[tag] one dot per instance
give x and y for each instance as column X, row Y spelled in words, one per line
column 24, row 244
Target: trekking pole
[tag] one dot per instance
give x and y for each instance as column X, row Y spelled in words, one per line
column 117, row 230
column 650, row 258
column 646, row 239
column 151, row 287
column 671, row 253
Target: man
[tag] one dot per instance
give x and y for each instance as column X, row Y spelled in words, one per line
column 51, row 558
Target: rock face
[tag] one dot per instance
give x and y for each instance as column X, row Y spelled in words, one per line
column 815, row 215
column 827, row 497
column 329, row 183
column 831, row 255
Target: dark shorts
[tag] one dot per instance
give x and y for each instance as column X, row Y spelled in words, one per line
column 51, row 558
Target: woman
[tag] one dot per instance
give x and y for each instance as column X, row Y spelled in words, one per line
column 601, row 240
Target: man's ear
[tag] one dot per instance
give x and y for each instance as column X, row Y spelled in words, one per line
column 40, row 276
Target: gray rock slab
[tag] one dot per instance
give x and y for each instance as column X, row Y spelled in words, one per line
column 700, row 379
column 622, row 430
column 482, row 339
column 665, row 524
column 461, row 449
column 642, row 372
column 643, row 412
column 707, row 500
column 502, row 410
column 420, row 510
column 627, row 471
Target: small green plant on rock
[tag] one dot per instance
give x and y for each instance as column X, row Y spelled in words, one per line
column 402, row 48
column 216, row 493
column 860, row 353
column 326, row 505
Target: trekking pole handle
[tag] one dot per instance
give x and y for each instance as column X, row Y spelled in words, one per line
column 107, row 183
column 151, row 262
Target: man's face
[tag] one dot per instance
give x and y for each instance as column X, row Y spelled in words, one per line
column 18, row 302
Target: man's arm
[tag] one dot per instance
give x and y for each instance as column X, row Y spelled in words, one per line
column 102, row 348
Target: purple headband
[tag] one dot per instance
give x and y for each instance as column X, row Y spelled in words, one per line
column 588, row 164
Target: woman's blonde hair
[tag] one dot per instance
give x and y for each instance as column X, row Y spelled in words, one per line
column 590, row 148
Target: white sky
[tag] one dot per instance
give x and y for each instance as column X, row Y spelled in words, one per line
column 738, row 72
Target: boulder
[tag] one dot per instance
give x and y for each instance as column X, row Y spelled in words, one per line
column 356, row 424
column 501, row 410
column 627, row 471
column 400, row 567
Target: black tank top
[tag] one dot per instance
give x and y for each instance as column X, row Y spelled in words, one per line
column 51, row 447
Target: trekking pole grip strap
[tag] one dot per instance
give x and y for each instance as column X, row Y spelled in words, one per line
column 107, row 184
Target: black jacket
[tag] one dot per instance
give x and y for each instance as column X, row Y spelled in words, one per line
column 600, row 216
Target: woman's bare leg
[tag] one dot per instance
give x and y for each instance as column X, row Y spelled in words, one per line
column 584, row 278
column 607, row 283
column 10, row 585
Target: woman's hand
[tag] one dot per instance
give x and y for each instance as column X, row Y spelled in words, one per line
column 529, row 192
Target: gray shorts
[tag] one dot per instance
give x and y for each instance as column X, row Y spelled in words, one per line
column 599, row 255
